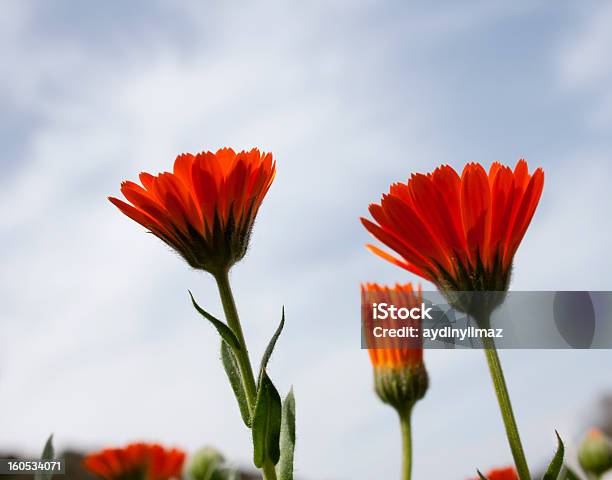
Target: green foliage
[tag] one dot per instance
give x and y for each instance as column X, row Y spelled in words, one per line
column 266, row 424
column 552, row 473
column 270, row 348
column 225, row 332
column 233, row 374
column 47, row 455
column 287, row 438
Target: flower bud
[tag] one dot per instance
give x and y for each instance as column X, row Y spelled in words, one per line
column 595, row 453
column 204, row 464
column 400, row 387
column 400, row 378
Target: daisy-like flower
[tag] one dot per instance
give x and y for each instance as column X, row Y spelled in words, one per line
column 205, row 208
column 137, row 461
column 459, row 232
column 507, row 473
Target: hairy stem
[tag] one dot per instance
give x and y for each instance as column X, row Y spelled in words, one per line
column 505, row 406
column 406, row 426
column 233, row 321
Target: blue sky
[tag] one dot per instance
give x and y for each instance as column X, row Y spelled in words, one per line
column 98, row 341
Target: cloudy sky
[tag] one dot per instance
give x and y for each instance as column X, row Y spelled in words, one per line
column 98, row 342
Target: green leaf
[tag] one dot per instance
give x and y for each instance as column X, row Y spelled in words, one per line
column 47, row 455
column 225, row 332
column 570, row 475
column 266, row 423
column 270, row 348
column 233, row 374
column 552, row 473
column 482, row 477
column 287, row 438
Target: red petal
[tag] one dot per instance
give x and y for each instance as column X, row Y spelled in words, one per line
column 525, row 213
column 476, row 209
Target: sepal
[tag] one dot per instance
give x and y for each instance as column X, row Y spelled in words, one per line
column 400, row 387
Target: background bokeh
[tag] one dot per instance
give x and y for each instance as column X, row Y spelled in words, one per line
column 98, row 341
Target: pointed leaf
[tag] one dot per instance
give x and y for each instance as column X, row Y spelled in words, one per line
column 47, row 455
column 270, row 348
column 552, row 473
column 287, row 438
column 233, row 374
column 225, row 332
column 266, row 423
column 482, row 477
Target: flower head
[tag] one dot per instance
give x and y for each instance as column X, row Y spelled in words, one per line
column 205, row 208
column 460, row 233
column 137, row 461
column 507, row 473
column 400, row 378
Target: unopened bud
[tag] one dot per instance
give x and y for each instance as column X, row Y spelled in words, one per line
column 204, row 464
column 595, row 453
column 401, row 386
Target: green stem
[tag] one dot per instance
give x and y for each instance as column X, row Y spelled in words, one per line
column 405, row 423
column 246, row 371
column 233, row 321
column 269, row 473
column 505, row 406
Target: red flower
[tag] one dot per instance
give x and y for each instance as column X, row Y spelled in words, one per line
column 205, row 209
column 392, row 352
column 400, row 378
column 137, row 461
column 507, row 473
column 461, row 233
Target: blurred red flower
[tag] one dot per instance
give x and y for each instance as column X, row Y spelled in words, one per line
column 137, row 461
column 461, row 233
column 206, row 207
column 507, row 473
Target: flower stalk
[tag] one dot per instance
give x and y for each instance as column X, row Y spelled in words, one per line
column 205, row 210
column 406, row 426
column 242, row 356
column 233, row 322
column 505, row 406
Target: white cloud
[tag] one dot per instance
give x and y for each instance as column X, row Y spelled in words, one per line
column 586, row 67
